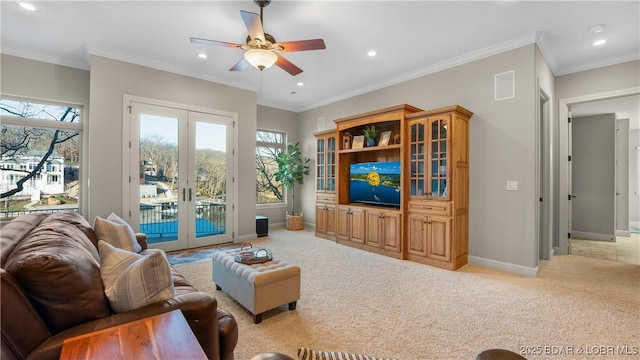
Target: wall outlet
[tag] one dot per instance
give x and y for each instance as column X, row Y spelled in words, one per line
column 512, row 185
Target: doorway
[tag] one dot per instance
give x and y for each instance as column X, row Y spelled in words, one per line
column 545, row 174
column 565, row 173
column 181, row 174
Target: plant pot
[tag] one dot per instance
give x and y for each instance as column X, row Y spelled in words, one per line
column 371, row 142
column 294, row 222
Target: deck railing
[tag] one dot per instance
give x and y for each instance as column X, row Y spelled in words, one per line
column 159, row 222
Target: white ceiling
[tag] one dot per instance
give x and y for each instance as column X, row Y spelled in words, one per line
column 412, row 38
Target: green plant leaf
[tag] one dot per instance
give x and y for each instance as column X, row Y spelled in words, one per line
column 292, row 167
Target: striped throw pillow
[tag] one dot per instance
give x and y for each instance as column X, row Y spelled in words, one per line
column 132, row 280
column 116, row 232
column 310, row 354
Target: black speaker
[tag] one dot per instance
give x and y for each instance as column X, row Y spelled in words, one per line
column 262, row 225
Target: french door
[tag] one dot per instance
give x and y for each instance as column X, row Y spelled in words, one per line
column 181, row 192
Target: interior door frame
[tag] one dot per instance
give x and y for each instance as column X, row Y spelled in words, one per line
column 544, row 186
column 564, row 208
column 132, row 169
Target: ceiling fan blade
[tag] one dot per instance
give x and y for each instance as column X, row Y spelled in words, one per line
column 288, row 66
column 254, row 24
column 302, row 45
column 214, row 42
column 241, row 65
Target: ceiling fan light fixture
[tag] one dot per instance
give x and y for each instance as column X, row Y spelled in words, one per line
column 260, row 59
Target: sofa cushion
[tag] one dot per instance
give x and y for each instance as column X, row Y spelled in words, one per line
column 134, row 280
column 58, row 251
column 116, row 232
column 15, row 230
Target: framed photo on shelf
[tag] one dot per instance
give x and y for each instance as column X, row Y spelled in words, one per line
column 358, row 142
column 384, row 138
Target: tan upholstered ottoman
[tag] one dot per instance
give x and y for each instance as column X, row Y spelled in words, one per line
column 258, row 287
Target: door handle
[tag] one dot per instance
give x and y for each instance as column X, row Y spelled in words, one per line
column 184, row 194
column 190, row 193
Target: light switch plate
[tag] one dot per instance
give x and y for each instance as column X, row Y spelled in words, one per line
column 512, row 185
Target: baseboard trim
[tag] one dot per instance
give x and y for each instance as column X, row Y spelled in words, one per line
column 624, row 233
column 591, row 236
column 243, row 238
column 634, row 223
column 504, row 266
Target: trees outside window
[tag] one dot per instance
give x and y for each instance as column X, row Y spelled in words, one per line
column 268, row 145
column 39, row 153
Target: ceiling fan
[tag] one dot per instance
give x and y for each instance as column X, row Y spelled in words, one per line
column 262, row 49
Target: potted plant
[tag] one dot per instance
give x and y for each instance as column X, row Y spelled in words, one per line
column 292, row 167
column 371, row 134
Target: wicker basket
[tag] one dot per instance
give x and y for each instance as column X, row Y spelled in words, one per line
column 295, row 222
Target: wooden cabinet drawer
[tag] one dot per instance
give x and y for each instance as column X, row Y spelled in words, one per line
column 326, row 198
column 431, row 207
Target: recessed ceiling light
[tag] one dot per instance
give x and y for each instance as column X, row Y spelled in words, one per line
column 27, row 6
column 372, row 53
column 596, row 29
column 300, row 84
column 202, row 55
column 599, row 42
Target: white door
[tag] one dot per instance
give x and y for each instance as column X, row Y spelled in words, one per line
column 182, row 193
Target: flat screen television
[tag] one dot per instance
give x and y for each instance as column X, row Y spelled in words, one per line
column 375, row 183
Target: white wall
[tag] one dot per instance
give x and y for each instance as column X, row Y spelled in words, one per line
column 502, row 147
column 608, row 78
column 111, row 80
column 280, row 120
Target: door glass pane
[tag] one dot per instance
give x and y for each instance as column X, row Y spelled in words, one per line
column 158, row 178
column 417, row 157
column 320, row 165
column 211, row 174
column 331, row 164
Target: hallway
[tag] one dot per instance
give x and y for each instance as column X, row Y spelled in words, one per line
column 624, row 249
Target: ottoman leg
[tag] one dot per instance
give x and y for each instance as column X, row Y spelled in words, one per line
column 292, row 305
column 257, row 318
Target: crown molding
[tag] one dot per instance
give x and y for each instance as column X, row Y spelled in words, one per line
column 159, row 65
column 614, row 60
column 37, row 56
column 431, row 69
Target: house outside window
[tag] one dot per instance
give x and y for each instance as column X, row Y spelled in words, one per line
column 268, row 145
column 40, row 147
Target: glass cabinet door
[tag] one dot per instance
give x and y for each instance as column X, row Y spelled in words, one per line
column 438, row 159
column 331, row 163
column 320, row 162
column 416, row 160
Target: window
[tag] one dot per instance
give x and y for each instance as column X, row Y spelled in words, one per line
column 268, row 145
column 40, row 146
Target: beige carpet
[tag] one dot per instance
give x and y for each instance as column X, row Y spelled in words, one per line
column 356, row 301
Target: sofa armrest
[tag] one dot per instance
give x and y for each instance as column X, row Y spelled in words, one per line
column 22, row 326
column 142, row 240
column 198, row 308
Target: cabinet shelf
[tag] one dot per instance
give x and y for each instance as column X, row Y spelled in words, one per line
column 371, row 148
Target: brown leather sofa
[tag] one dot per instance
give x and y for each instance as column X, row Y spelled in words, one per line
column 52, row 290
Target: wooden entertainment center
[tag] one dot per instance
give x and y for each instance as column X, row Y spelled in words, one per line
column 406, row 197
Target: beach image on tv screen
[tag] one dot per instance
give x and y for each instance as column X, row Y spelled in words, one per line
column 376, row 183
